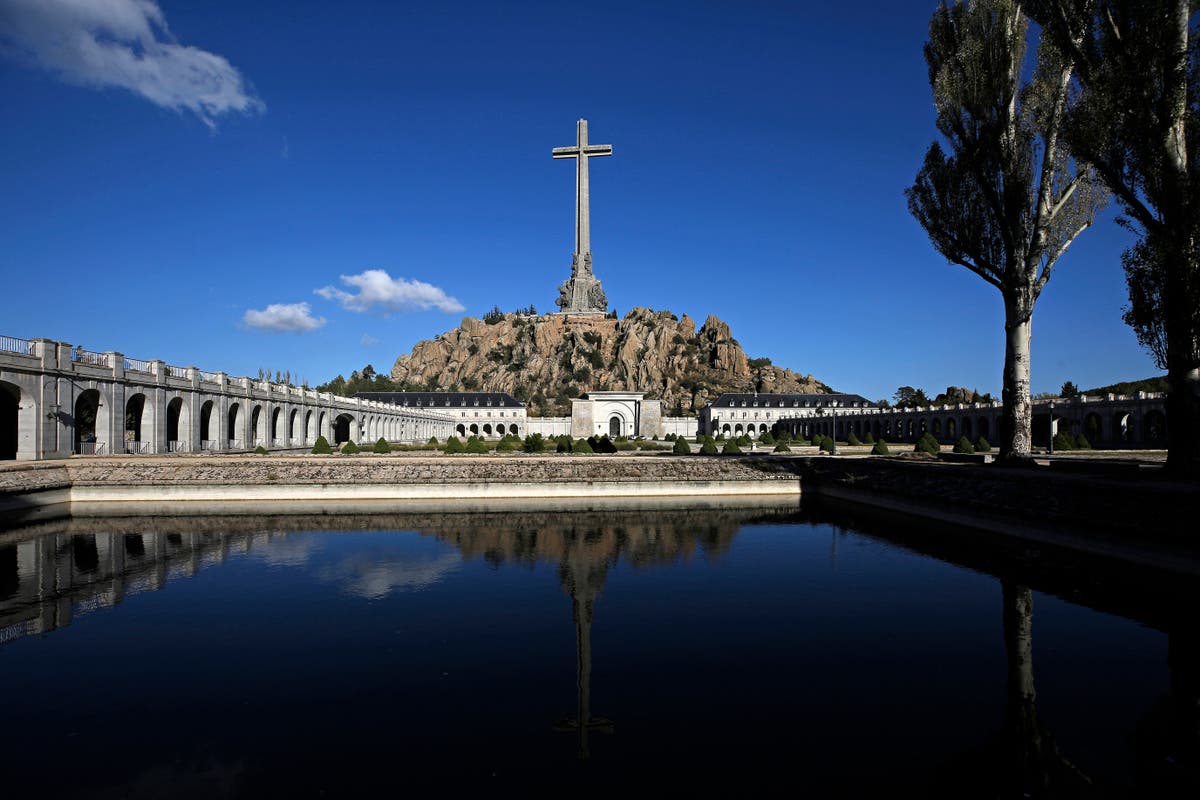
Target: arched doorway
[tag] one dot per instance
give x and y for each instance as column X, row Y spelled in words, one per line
column 87, row 409
column 341, row 428
column 1154, row 424
column 461, row 429
column 614, row 427
column 177, row 422
column 135, row 407
column 276, row 433
column 10, row 409
column 294, row 427
column 233, row 428
column 310, row 432
column 206, row 432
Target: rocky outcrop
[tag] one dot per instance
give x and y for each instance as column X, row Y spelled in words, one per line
column 547, row 360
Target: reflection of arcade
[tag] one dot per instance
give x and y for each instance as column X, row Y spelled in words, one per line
column 48, row 580
column 1024, row 760
column 584, row 553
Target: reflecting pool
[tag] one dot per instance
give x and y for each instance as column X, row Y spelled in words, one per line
column 710, row 650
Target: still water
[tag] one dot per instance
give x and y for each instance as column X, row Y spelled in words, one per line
column 726, row 652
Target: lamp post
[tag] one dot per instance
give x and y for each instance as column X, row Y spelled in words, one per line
column 1050, row 451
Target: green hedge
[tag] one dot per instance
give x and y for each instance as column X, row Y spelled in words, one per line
column 682, row 448
column 709, row 448
column 349, row 448
column 927, row 444
column 382, row 446
column 963, row 445
column 731, row 449
column 982, row 445
column 321, row 447
column 880, row 448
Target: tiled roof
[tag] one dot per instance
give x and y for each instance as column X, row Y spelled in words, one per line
column 445, row 399
column 764, row 400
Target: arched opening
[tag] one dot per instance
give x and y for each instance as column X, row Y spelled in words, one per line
column 341, row 428
column 1120, row 427
column 762, row 429
column 174, row 412
column 294, row 426
column 310, row 431
column 474, row 429
column 10, row 409
column 983, row 427
column 87, row 409
column 135, row 406
column 276, row 433
column 234, row 426
column 1093, row 427
column 500, row 429
column 513, row 430
column 725, row 429
column 614, row 427
column 1154, row 425
column 937, row 428
column 460, row 429
column 952, row 428
column 207, row 437
column 737, row 429
column 966, row 427
column 258, row 427
column 487, row 429
column 320, row 425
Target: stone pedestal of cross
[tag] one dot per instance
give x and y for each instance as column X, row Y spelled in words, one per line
column 582, row 293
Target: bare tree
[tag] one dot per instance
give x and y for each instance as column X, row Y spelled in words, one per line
column 1008, row 199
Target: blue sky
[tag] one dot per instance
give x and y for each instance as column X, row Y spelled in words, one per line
column 172, row 170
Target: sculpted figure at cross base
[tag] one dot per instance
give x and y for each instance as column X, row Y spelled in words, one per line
column 582, row 293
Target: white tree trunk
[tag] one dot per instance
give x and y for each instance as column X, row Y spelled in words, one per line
column 1016, row 420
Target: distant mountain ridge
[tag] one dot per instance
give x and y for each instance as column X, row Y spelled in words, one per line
column 1158, row 384
column 547, row 360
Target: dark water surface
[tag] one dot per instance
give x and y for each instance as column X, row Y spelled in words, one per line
column 721, row 652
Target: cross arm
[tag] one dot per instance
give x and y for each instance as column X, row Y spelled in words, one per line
column 589, row 150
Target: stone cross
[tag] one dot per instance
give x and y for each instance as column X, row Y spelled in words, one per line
column 581, row 152
column 582, row 292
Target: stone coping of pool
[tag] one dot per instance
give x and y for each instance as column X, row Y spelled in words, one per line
column 195, row 484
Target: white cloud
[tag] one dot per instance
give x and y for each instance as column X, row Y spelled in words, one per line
column 295, row 317
column 369, row 340
column 127, row 44
column 378, row 291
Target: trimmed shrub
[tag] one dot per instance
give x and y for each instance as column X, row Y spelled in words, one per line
column 782, row 448
column 382, row 446
column 349, row 448
column 433, row 441
column 260, row 451
column 731, row 449
column 720, row 436
column 827, row 445
column 321, row 447
column 1081, row 443
column 682, row 448
column 454, row 445
column 880, row 448
column 927, row 444
column 563, row 444
column 852, row 439
column 477, row 446
column 963, row 445
column 709, row 448
column 982, row 446
column 744, row 441
column 869, row 438
column 507, row 445
column 582, row 446
column 816, row 440
column 1064, row 441
column 605, row 445
column 534, row 443
column 766, row 438
column 784, row 436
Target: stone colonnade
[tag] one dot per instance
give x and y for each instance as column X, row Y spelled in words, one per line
column 57, row 400
column 1111, row 421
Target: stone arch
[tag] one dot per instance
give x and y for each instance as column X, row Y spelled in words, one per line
column 738, row 429
column 10, row 420
column 762, row 429
column 725, row 429
column 87, row 423
column 474, row 429
column 937, row 428
column 1120, row 426
column 460, row 429
column 966, row 427
column 276, row 431
column 135, row 413
column 983, row 427
column 1093, row 427
column 951, row 428
column 207, row 434
column 321, row 423
column 310, row 426
column 487, row 429
column 342, row 428
column 1154, row 427
column 295, row 435
column 615, row 426
column 258, row 426
column 500, row 429
column 514, row 430
column 234, row 425
column 178, row 423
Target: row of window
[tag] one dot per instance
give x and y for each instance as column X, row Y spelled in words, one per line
column 800, row 404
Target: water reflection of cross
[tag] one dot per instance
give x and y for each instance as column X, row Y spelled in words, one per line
column 582, row 578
